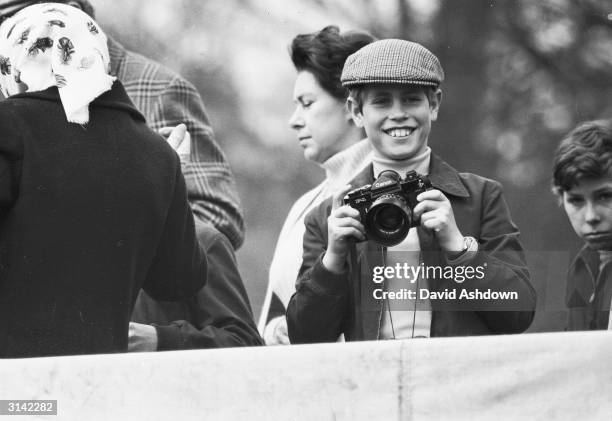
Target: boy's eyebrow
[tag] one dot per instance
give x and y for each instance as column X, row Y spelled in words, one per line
column 379, row 90
column 377, row 93
column 603, row 189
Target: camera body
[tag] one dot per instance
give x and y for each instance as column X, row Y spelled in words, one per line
column 386, row 206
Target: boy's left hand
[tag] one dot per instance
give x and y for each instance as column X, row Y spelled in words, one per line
column 436, row 214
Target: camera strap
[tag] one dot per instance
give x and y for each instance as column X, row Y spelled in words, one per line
column 355, row 297
column 403, row 313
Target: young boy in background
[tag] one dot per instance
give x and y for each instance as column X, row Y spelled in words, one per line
column 395, row 95
column 582, row 180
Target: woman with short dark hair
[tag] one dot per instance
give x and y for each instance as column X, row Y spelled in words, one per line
column 328, row 136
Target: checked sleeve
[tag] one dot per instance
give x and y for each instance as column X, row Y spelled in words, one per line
column 166, row 100
column 210, row 183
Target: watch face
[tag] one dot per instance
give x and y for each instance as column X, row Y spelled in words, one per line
column 470, row 244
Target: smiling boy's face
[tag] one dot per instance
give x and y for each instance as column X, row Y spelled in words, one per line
column 589, row 208
column 397, row 118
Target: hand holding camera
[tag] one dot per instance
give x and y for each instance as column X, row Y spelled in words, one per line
column 343, row 226
column 436, row 213
column 386, row 207
column 391, row 206
column 384, row 212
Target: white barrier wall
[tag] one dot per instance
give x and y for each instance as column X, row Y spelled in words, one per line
column 533, row 376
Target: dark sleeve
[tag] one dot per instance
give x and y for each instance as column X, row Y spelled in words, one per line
column 505, row 269
column 220, row 315
column 179, row 267
column 319, row 307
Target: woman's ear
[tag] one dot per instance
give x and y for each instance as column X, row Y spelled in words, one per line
column 354, row 110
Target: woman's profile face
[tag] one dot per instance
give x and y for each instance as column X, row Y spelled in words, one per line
column 320, row 120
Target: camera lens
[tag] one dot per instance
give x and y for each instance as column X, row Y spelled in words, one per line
column 388, row 220
column 389, row 217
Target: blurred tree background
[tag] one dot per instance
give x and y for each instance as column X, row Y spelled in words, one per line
column 519, row 76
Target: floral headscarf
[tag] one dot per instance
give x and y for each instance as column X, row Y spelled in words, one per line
column 53, row 44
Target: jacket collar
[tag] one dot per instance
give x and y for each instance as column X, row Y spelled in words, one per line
column 115, row 98
column 588, row 259
column 442, row 176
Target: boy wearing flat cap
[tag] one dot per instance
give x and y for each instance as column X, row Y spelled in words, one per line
column 459, row 270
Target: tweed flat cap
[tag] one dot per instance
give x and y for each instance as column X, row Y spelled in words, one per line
column 392, row 61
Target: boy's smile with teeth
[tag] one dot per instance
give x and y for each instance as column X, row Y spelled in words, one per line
column 397, row 118
column 400, row 131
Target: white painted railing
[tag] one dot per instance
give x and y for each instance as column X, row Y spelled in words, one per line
column 532, row 376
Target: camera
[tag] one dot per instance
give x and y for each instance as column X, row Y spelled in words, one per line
column 386, row 206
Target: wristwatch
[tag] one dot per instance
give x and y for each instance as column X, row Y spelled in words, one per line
column 469, row 245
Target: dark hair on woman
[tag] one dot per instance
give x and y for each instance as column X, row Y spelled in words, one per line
column 87, row 8
column 323, row 53
column 586, row 152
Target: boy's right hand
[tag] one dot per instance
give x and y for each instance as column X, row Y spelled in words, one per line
column 343, row 226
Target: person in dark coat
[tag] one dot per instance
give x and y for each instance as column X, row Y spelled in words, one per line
column 93, row 205
column 582, row 181
column 166, row 99
column 218, row 316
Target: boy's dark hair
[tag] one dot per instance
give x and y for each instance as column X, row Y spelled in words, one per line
column 356, row 93
column 586, row 152
column 323, row 53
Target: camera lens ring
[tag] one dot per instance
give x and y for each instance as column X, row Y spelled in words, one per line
column 388, row 220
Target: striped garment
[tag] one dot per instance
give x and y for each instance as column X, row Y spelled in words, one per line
column 166, row 99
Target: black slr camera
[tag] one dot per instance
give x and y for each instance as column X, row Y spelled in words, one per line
column 386, row 207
